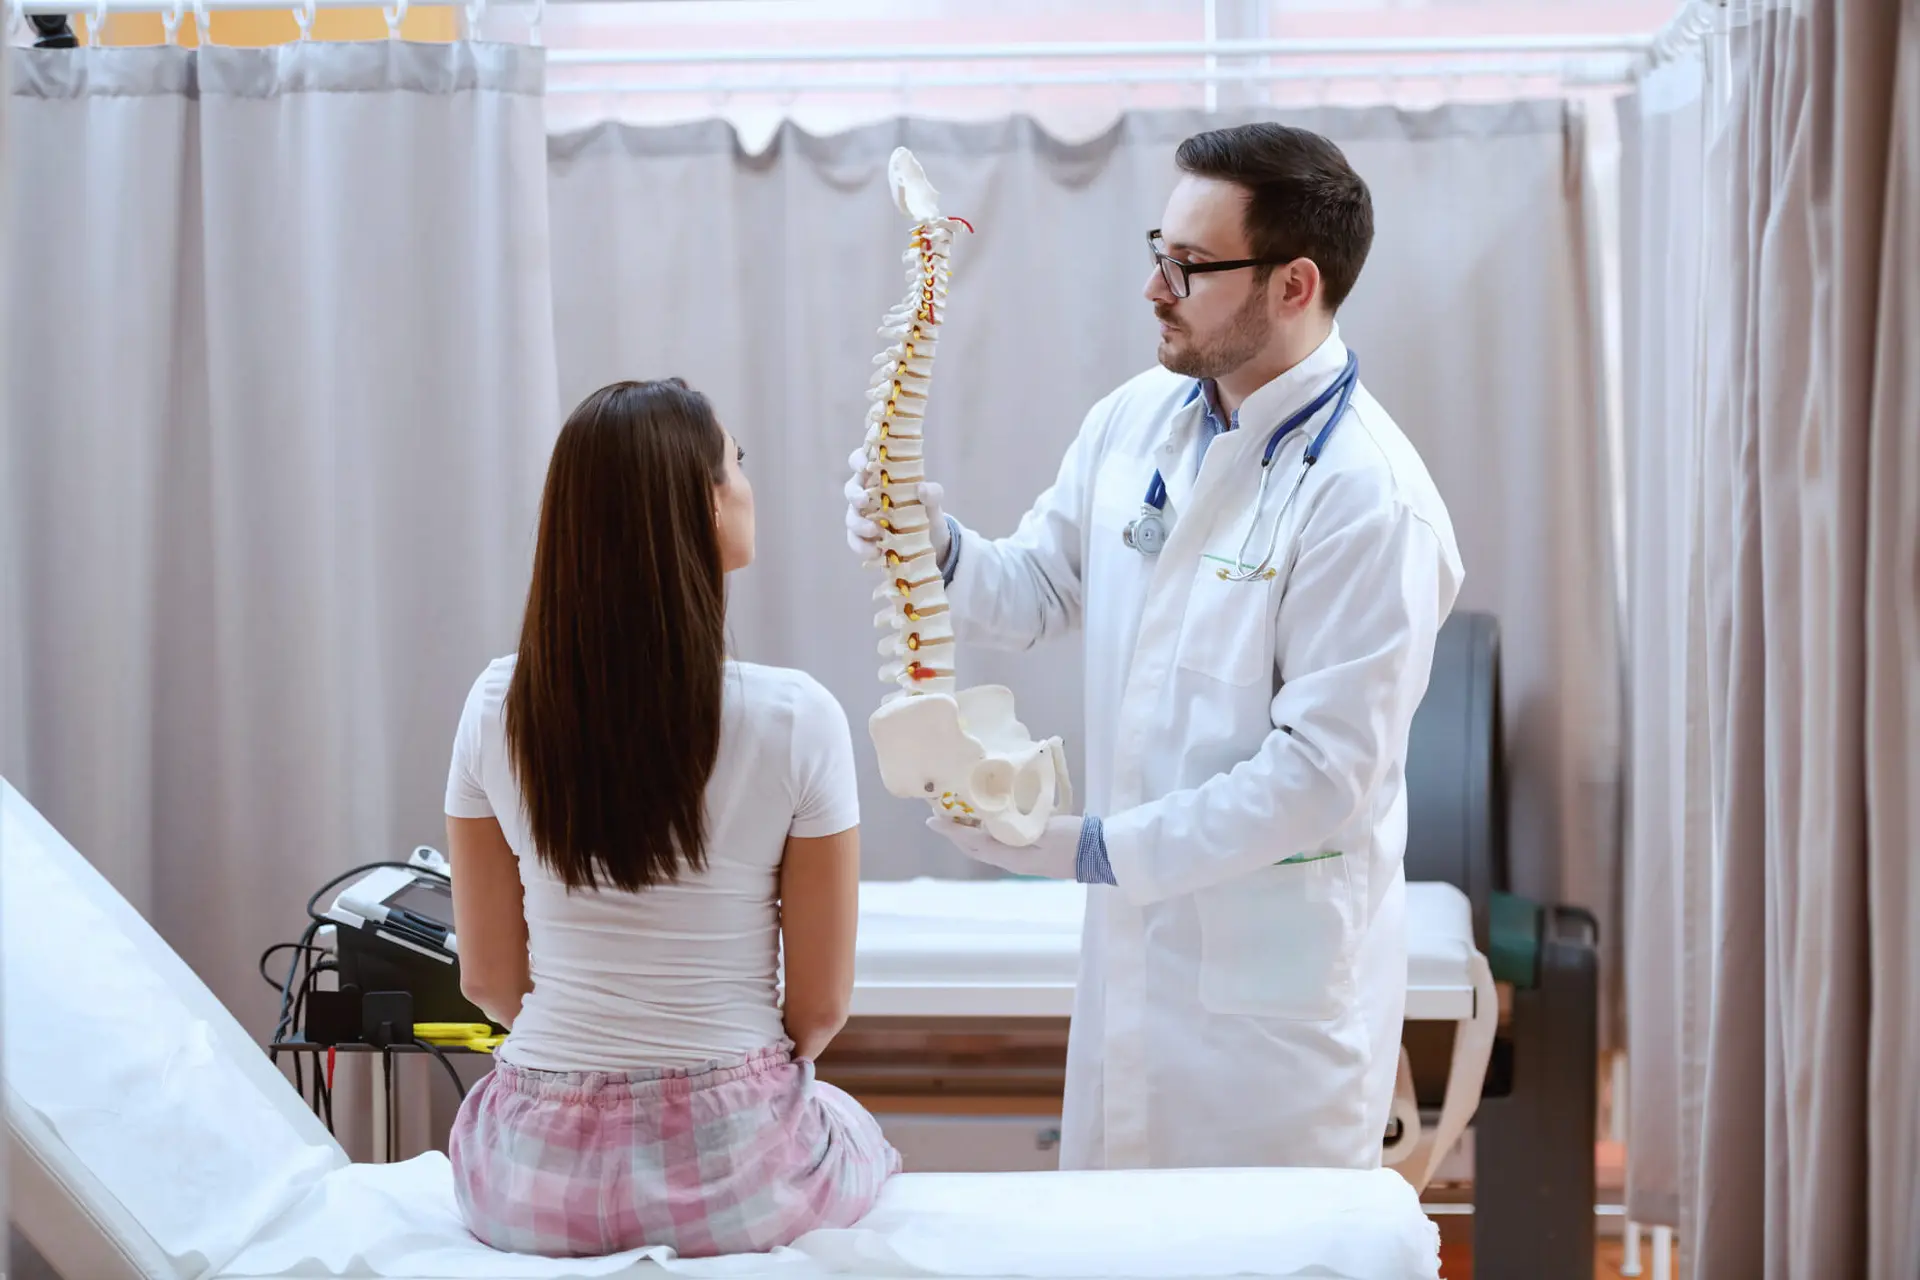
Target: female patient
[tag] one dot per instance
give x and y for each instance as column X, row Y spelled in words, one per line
column 637, row 824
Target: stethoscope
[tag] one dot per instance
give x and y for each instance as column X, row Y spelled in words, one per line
column 1147, row 533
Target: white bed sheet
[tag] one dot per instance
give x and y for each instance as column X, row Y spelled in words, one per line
column 398, row 1222
column 1012, row 947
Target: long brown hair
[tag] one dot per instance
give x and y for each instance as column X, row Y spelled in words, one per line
column 613, row 713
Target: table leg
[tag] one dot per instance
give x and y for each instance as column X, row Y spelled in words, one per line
column 382, row 1091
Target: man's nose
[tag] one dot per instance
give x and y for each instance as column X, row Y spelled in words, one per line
column 1155, row 288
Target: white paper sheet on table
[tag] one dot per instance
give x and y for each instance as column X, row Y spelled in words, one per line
column 398, row 1222
column 983, row 932
column 1027, row 932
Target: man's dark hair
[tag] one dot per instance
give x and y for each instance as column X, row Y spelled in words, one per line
column 1303, row 199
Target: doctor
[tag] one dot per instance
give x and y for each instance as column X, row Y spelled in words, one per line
column 1260, row 563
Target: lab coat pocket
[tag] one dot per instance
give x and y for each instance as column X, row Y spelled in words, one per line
column 1278, row 943
column 1228, row 630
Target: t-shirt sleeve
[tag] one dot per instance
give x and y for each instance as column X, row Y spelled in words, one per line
column 826, row 789
column 466, row 794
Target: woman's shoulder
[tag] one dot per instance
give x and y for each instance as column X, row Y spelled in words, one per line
column 488, row 692
column 781, row 693
column 491, row 684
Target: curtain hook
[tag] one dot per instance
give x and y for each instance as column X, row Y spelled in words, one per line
column 16, row 11
column 476, row 14
column 96, row 23
column 533, row 30
column 396, row 14
column 170, row 21
column 202, row 23
column 303, row 16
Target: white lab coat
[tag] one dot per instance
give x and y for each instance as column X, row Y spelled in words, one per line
column 1231, row 1011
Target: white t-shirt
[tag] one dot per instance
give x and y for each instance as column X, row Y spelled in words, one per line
column 675, row 975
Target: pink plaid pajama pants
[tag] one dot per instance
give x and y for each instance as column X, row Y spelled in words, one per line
column 738, row 1157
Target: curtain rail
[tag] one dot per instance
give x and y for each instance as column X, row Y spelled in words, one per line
column 1614, row 72
column 1682, row 33
column 1474, row 46
column 1468, row 46
column 87, row 8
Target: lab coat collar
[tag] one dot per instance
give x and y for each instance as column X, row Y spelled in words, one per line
column 1270, row 405
column 1261, row 412
column 1171, row 455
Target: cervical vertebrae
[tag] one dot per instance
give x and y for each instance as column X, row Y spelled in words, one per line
column 961, row 751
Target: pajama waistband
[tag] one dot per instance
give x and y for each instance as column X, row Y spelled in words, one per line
column 612, row 1088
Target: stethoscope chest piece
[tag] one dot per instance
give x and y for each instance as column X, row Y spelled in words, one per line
column 1146, row 534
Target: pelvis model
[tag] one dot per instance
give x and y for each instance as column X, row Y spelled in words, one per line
column 961, row 750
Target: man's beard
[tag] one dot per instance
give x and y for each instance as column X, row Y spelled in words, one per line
column 1243, row 337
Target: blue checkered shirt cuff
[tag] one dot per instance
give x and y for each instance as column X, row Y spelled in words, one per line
column 1092, row 866
column 951, row 565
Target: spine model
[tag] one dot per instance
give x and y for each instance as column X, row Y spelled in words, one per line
column 917, row 630
column 962, row 751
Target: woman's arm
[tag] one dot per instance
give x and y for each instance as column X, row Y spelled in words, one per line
column 819, row 914
column 489, row 918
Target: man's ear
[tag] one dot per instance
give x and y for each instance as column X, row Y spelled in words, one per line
column 1303, row 283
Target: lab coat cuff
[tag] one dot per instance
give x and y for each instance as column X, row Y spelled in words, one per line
column 1125, row 838
column 1090, row 864
column 962, row 573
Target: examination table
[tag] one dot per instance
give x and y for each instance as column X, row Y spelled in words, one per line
column 151, row 1138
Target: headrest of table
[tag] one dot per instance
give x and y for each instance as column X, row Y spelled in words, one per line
column 122, row 1067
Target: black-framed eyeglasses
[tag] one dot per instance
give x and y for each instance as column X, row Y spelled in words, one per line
column 1175, row 272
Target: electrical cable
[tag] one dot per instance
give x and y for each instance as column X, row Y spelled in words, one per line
column 446, row 1062
column 301, row 949
column 281, row 946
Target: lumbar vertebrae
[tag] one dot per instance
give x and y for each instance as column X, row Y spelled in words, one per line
column 962, row 751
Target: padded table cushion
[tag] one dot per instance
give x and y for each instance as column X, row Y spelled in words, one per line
column 1013, row 947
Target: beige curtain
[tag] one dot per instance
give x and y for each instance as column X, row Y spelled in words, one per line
column 274, row 439
column 1662, row 188
column 1892, row 679
column 1775, row 487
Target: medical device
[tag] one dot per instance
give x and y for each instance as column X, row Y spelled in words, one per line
column 962, row 751
column 394, row 933
column 1147, row 533
column 376, row 970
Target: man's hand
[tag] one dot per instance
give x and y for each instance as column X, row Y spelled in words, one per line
column 1054, row 855
column 863, row 533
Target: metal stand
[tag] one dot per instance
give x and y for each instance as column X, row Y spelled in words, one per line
column 1534, row 1179
column 384, row 1095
